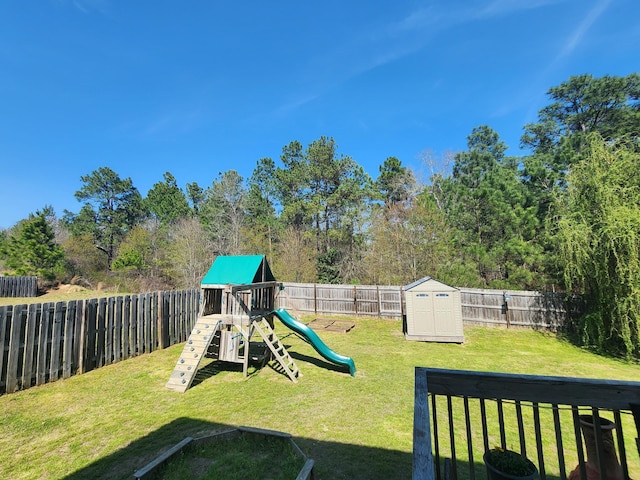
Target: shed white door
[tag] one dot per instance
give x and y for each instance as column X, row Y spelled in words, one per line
column 424, row 323
column 445, row 324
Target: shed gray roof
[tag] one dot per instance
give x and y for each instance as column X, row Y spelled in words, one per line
column 425, row 280
column 416, row 283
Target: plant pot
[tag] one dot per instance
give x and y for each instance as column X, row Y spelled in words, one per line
column 612, row 468
column 497, row 473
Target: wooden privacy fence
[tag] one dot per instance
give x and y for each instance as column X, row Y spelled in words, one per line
column 511, row 308
column 373, row 300
column 44, row 342
column 18, row 286
column 515, row 308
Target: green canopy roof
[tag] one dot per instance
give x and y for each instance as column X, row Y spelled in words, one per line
column 238, row 270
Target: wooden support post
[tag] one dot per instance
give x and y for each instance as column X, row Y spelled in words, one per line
column 247, row 344
column 422, row 451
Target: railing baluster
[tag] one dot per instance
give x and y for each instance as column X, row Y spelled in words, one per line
column 559, row 445
column 620, row 440
column 536, row 424
column 485, row 434
column 529, row 419
column 503, row 437
column 467, row 417
column 436, row 443
column 578, row 435
column 452, row 440
column 635, row 410
column 523, row 443
column 597, row 428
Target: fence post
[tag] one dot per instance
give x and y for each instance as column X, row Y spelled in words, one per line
column 5, row 322
column 80, row 352
column 355, row 299
column 13, row 359
column 163, row 321
column 315, row 300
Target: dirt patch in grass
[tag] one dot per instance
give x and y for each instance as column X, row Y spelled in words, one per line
column 61, row 293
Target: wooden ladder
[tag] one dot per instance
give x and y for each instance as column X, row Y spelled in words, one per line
column 192, row 353
column 277, row 348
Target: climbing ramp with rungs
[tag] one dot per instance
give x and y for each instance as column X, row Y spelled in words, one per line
column 194, row 350
column 277, row 349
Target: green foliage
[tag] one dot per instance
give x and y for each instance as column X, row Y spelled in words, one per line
column 30, row 248
column 82, row 258
column 296, row 257
column 112, row 207
column 584, row 104
column 608, row 105
column 195, row 194
column 599, row 234
column 166, row 201
column 3, row 242
column 328, row 271
column 510, row 462
column 223, row 213
column 486, row 205
column 492, row 222
column 263, row 226
column 408, row 241
column 189, row 253
column 325, row 193
column 395, row 183
column 135, row 252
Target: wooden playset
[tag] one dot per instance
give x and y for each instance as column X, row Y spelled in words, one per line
column 237, row 295
column 237, row 304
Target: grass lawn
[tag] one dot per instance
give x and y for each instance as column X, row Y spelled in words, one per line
column 112, row 421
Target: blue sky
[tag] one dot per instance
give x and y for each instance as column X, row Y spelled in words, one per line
column 200, row 87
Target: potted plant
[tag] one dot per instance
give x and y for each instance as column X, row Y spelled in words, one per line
column 508, row 465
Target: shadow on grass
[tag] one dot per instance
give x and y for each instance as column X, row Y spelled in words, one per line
column 214, row 368
column 318, row 362
column 333, row 460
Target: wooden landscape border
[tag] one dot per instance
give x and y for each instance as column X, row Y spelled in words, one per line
column 152, row 468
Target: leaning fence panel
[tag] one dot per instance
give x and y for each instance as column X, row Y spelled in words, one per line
column 40, row 343
column 18, row 286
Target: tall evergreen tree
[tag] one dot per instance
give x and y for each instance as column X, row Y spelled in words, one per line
column 30, row 249
column 609, row 106
column 195, row 195
column 262, row 221
column 395, row 183
column 166, row 201
column 111, row 208
column 324, row 193
column 486, row 203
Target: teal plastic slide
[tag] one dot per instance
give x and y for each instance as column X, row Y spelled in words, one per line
column 312, row 337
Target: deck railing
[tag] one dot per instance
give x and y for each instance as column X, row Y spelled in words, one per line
column 459, row 415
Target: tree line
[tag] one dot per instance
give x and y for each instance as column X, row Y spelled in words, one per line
column 566, row 216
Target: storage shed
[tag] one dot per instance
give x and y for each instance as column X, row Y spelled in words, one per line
column 433, row 312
